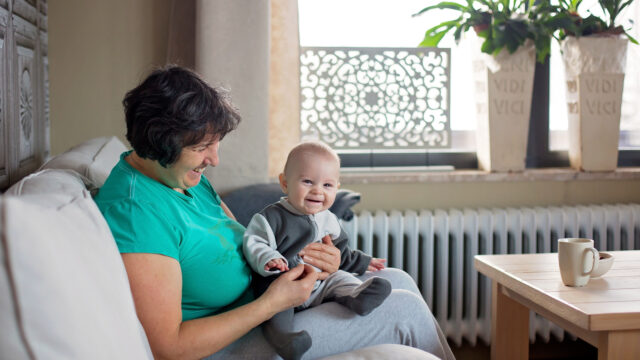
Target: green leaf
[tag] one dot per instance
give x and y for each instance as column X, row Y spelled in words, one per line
column 543, row 48
column 458, row 33
column 433, row 40
column 631, row 38
column 485, row 34
column 443, row 5
column 560, row 21
column 434, row 35
column 519, row 27
column 487, row 47
column 492, row 5
column 574, row 5
column 512, row 43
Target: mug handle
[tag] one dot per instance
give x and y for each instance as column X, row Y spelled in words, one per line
column 596, row 259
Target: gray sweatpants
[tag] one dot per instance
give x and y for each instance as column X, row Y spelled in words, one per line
column 403, row 318
column 340, row 283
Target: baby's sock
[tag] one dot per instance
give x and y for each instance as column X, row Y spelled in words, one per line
column 368, row 296
column 290, row 346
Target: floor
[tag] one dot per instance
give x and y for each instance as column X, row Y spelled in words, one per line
column 553, row 350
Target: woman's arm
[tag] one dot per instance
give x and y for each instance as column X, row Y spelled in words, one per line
column 156, row 285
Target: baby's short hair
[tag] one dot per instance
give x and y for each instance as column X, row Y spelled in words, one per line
column 315, row 147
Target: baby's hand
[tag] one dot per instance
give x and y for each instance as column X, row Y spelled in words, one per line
column 376, row 264
column 278, row 264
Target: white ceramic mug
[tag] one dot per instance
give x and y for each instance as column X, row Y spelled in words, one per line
column 577, row 259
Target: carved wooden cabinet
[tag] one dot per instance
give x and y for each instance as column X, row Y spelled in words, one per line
column 24, row 94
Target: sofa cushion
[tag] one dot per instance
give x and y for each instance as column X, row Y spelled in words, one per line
column 64, row 292
column 384, row 352
column 63, row 182
column 92, row 159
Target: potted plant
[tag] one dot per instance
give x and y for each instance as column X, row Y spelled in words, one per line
column 511, row 32
column 594, row 54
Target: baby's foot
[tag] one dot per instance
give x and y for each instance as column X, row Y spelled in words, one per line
column 294, row 345
column 368, row 296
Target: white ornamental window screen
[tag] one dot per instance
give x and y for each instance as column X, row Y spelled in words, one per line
column 376, row 98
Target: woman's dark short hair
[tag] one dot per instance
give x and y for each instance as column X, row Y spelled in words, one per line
column 174, row 108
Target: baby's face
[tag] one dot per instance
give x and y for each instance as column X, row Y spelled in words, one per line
column 311, row 183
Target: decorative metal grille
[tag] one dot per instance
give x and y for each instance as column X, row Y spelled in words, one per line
column 376, row 98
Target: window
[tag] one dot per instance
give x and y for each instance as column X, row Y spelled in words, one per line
column 388, row 23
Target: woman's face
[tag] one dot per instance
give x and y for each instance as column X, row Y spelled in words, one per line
column 187, row 170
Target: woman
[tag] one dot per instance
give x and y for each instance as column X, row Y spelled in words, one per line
column 182, row 247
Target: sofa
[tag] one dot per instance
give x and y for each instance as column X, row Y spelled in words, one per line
column 64, row 292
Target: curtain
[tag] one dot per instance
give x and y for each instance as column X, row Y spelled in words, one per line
column 250, row 48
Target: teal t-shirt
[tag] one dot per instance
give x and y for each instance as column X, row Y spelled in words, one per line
column 148, row 217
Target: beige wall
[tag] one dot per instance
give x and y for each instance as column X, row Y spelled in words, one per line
column 97, row 51
column 419, row 196
column 100, row 49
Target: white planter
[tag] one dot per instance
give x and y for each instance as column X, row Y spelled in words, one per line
column 504, row 86
column 594, row 70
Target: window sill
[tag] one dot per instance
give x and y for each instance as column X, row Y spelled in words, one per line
column 411, row 175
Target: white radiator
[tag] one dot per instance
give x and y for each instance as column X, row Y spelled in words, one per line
column 436, row 247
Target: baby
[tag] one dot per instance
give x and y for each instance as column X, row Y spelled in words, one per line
column 277, row 234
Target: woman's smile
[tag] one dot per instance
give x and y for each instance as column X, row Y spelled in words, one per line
column 198, row 171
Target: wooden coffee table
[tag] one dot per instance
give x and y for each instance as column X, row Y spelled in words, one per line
column 604, row 313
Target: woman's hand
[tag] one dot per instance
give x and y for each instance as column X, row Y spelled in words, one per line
column 376, row 264
column 325, row 256
column 291, row 288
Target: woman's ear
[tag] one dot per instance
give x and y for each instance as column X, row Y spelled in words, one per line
column 283, row 183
